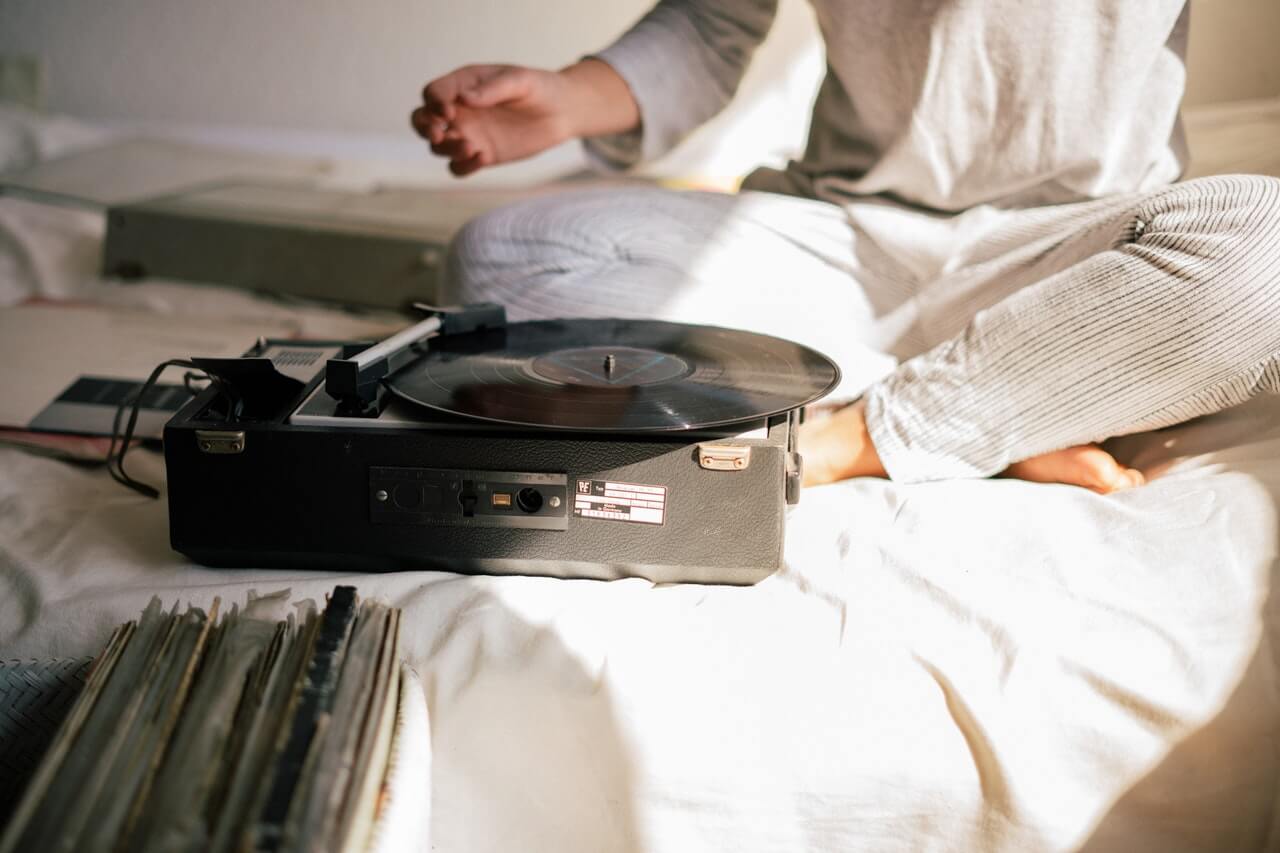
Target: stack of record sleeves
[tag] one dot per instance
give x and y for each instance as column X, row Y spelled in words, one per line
column 235, row 732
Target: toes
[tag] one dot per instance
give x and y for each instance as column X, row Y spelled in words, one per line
column 1113, row 477
column 1133, row 478
column 1086, row 465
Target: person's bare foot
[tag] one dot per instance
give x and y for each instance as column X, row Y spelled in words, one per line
column 1086, row 465
column 838, row 447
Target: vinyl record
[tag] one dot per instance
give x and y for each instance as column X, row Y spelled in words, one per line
column 615, row 375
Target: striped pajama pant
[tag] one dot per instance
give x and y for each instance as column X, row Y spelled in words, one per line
column 978, row 339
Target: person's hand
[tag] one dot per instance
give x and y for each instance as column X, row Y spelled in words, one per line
column 481, row 115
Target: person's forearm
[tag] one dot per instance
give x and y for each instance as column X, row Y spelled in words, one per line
column 600, row 101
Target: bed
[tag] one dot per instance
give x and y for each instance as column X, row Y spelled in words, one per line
column 977, row 665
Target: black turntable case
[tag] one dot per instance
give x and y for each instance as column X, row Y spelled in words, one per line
column 305, row 497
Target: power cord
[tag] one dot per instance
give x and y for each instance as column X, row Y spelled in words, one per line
column 120, row 442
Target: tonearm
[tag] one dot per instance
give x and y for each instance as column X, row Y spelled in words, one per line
column 354, row 379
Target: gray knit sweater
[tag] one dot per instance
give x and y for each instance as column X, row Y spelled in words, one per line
column 944, row 104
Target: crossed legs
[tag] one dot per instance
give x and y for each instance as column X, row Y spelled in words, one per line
column 1137, row 313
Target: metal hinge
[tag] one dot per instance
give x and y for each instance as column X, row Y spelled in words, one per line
column 220, row 440
column 724, row 457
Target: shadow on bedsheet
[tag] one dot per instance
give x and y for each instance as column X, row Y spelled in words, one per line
column 1219, row 787
column 526, row 748
column 19, row 600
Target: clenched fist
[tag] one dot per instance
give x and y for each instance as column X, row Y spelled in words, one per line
column 481, row 115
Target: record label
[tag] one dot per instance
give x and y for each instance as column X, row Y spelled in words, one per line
column 632, row 502
column 604, row 367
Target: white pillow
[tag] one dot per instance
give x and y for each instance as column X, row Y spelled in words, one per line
column 27, row 137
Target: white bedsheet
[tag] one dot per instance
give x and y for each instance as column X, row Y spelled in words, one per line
column 972, row 665
column 987, row 665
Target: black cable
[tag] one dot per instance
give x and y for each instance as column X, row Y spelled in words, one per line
column 193, row 376
column 115, row 461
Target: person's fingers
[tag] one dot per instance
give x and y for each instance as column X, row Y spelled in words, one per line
column 447, row 140
column 465, row 166
column 428, row 126
column 436, row 129
column 440, row 96
column 448, row 148
column 460, row 149
column 507, row 84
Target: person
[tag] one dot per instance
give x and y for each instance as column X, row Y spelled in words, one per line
column 988, row 193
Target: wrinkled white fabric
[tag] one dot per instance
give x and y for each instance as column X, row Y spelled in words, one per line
column 941, row 105
column 985, row 665
column 27, row 137
column 982, row 665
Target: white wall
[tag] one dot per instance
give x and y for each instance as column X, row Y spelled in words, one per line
column 358, row 65
column 316, row 64
column 1234, row 52
column 339, row 65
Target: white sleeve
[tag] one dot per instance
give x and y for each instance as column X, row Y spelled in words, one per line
column 683, row 62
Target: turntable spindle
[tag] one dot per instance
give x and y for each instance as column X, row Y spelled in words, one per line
column 608, row 363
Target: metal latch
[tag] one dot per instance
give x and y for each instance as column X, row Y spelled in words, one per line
column 724, row 457
column 220, row 440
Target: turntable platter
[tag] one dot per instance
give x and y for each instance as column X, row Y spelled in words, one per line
column 615, row 375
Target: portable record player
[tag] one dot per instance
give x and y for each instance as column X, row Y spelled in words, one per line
column 574, row 448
